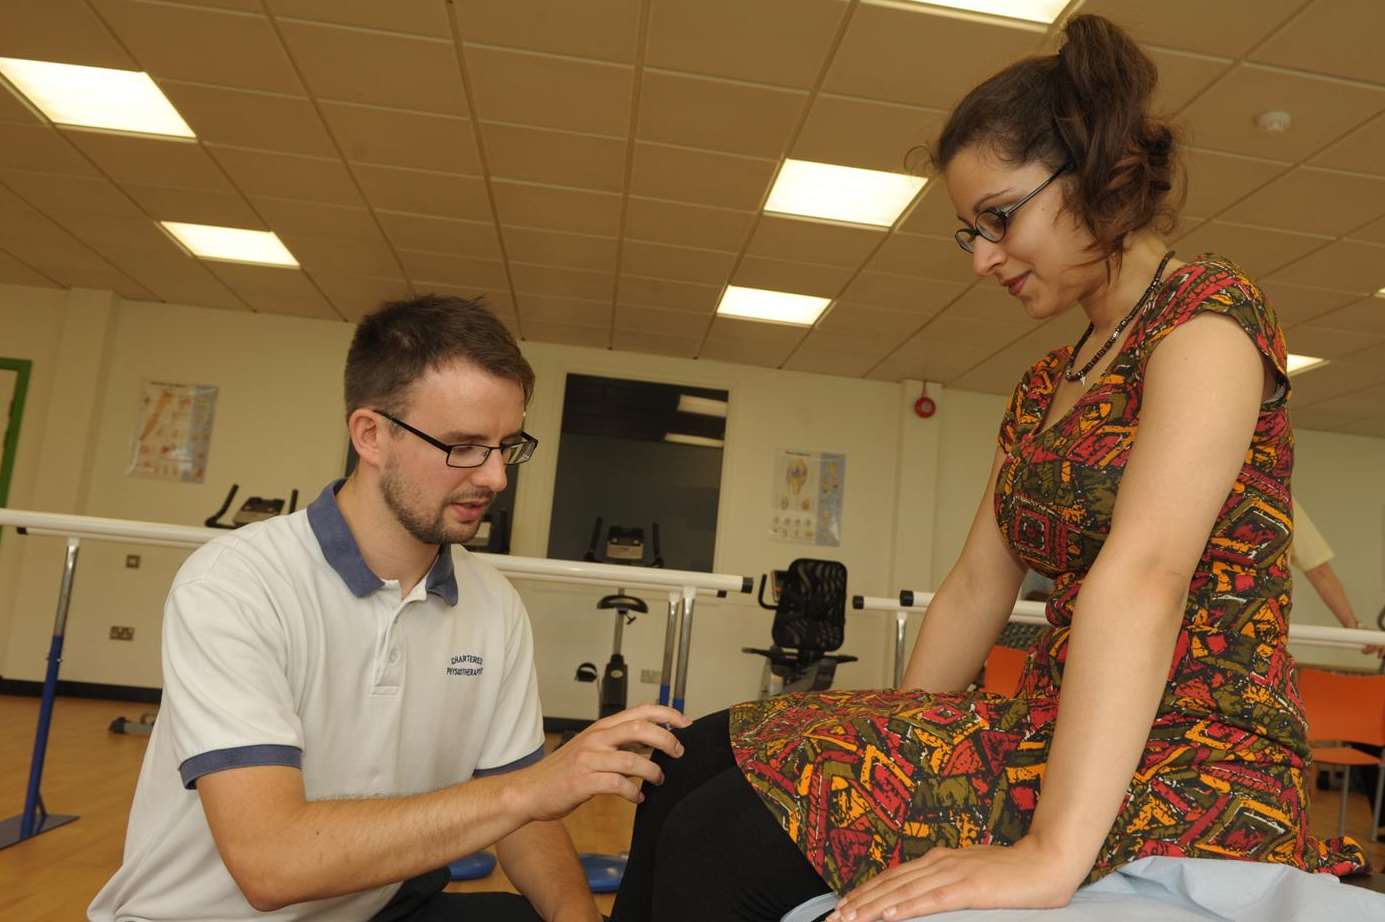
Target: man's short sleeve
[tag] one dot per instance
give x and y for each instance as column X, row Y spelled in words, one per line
column 227, row 700
column 516, row 729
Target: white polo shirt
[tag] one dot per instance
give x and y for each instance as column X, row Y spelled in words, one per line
column 281, row 647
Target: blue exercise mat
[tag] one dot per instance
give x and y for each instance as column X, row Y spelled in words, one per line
column 472, row 866
column 603, row 872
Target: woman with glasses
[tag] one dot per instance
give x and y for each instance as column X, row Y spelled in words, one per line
column 1145, row 468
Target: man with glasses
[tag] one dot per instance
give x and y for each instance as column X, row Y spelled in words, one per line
column 349, row 700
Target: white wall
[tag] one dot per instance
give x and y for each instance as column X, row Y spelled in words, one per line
column 912, row 486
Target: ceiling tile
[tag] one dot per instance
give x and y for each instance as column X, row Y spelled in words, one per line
column 1313, row 201
column 933, row 214
column 194, row 206
column 674, row 324
column 785, row 43
column 705, row 112
column 275, row 291
column 1215, row 180
column 126, row 158
column 973, row 328
column 659, row 260
column 339, row 256
column 316, row 219
column 420, row 17
column 550, row 309
column 314, row 179
column 202, row 45
column 995, row 311
column 925, row 360
column 1228, row 27
column 424, row 192
column 828, row 360
column 408, row 73
column 354, row 296
column 66, row 31
column 242, row 118
column 13, row 109
column 653, row 343
column 864, row 133
column 551, row 280
column 477, row 239
column 1295, row 304
column 921, row 297
column 814, row 241
column 393, row 137
column 1182, row 76
column 563, row 158
column 554, row 248
column 1373, row 427
column 1332, row 380
column 1323, row 110
column 800, row 278
column 577, row 210
column 550, row 91
column 1314, row 40
column 102, row 278
column 700, row 177
column 688, row 225
column 448, row 269
column 1257, row 250
column 568, row 334
column 1344, row 265
column 930, row 257
column 1359, row 151
column 875, row 347
column 668, row 294
column 998, row 374
column 1366, row 316
column 1372, row 233
column 727, row 343
column 14, row 272
column 849, row 317
column 883, row 54
column 1328, row 342
column 499, row 302
column 50, row 192
column 602, row 29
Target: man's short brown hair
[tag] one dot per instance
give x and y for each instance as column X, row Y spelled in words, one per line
column 397, row 344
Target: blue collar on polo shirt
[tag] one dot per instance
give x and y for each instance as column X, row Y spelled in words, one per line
column 344, row 554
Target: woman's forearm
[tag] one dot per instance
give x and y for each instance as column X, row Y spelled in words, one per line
column 959, row 628
column 1125, row 625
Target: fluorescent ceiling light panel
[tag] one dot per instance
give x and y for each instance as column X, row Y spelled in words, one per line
column 699, row 440
column 771, row 306
column 703, row 406
column 95, row 97
column 842, row 193
column 232, row 244
column 1300, row 363
column 1044, row 11
column 1380, row 293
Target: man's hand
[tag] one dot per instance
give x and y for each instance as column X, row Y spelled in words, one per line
column 1024, row 876
column 594, row 762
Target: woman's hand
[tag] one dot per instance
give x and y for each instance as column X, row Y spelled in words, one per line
column 1024, row 876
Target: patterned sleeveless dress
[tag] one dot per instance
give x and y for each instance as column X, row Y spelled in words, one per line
column 864, row 780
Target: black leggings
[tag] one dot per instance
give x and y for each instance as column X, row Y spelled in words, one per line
column 705, row 847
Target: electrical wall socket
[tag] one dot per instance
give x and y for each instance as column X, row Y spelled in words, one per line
column 119, row 632
column 650, row 676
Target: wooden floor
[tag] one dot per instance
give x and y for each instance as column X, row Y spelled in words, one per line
column 92, row 772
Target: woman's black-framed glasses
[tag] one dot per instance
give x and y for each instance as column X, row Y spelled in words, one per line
column 992, row 223
column 473, row 455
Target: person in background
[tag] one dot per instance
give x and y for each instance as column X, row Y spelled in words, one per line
column 1312, row 554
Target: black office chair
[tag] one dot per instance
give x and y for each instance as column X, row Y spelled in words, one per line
column 809, row 623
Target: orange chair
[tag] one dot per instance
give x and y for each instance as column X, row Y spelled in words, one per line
column 1346, row 709
column 1003, row 668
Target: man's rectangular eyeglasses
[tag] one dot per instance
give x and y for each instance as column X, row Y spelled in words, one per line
column 992, row 223
column 473, row 455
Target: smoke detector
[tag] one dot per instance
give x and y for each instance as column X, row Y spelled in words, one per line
column 1275, row 122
